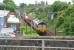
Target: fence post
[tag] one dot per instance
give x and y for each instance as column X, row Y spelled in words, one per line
column 43, row 44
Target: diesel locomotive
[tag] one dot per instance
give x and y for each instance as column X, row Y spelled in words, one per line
column 39, row 25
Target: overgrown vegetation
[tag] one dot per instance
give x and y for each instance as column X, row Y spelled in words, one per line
column 27, row 31
column 62, row 13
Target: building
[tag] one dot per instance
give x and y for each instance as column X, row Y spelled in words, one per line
column 12, row 21
column 8, row 22
column 3, row 13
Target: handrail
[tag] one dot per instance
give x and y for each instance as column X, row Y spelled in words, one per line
column 14, row 46
column 37, row 39
column 55, row 36
column 59, row 47
column 19, row 46
column 40, row 37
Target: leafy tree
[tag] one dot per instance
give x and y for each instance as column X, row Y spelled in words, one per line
column 9, row 5
column 68, row 24
column 73, row 1
column 2, row 6
column 58, row 6
column 60, row 21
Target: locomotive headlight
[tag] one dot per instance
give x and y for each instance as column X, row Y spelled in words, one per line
column 26, row 17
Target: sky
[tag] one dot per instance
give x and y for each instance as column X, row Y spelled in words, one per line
column 17, row 2
column 33, row 1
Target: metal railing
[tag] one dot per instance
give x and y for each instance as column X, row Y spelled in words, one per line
column 46, row 44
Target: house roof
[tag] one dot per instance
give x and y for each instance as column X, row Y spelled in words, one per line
column 12, row 19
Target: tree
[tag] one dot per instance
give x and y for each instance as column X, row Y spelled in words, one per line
column 60, row 21
column 68, row 17
column 2, row 6
column 73, row 1
column 9, row 5
column 58, row 6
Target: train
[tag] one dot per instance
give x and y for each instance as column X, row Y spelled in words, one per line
column 40, row 25
column 37, row 24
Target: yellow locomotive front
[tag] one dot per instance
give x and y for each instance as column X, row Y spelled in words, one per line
column 41, row 27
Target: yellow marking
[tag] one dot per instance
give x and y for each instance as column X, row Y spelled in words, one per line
column 41, row 29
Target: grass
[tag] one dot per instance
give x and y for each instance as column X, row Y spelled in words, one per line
column 27, row 31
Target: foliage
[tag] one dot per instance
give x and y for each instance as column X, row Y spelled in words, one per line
column 1, row 6
column 58, row 6
column 9, row 5
column 27, row 31
column 60, row 21
column 68, row 23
